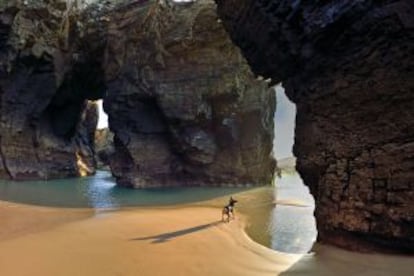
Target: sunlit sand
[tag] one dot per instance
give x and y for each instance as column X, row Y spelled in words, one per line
column 179, row 241
column 186, row 240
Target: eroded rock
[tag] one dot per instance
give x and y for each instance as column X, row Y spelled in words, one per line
column 46, row 124
column 104, row 147
column 348, row 67
column 184, row 107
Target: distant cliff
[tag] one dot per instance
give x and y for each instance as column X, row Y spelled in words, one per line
column 287, row 165
column 104, row 147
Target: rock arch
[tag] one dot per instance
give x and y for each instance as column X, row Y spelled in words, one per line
column 185, row 108
column 182, row 103
column 348, row 67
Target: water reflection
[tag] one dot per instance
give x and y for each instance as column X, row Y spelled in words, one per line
column 99, row 191
column 283, row 227
column 292, row 227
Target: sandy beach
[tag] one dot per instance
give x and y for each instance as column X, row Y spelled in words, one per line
column 184, row 240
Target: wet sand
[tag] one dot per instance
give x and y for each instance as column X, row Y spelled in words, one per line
column 20, row 219
column 328, row 261
column 186, row 240
column 179, row 241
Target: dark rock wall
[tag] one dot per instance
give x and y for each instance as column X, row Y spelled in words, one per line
column 182, row 102
column 104, row 147
column 46, row 125
column 348, row 65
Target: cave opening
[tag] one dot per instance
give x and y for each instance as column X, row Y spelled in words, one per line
column 103, row 138
column 70, row 119
column 102, row 116
column 293, row 225
column 284, row 125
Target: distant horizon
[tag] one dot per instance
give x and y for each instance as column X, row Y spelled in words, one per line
column 287, row 157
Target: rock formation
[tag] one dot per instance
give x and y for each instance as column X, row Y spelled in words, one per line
column 104, row 148
column 348, row 65
column 46, row 125
column 183, row 105
column 186, row 110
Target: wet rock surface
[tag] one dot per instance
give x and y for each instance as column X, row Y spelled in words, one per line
column 104, row 147
column 348, row 67
column 46, row 124
column 183, row 105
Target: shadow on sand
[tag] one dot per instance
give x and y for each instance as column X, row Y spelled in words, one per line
column 171, row 235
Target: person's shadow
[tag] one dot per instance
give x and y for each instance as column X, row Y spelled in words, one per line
column 170, row 235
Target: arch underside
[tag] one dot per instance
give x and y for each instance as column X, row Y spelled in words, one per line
column 348, row 67
column 183, row 105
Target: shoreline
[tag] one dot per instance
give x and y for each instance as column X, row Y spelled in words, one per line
column 113, row 243
column 183, row 239
column 19, row 219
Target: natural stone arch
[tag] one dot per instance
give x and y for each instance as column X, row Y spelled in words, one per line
column 347, row 66
column 46, row 79
column 184, row 107
column 209, row 122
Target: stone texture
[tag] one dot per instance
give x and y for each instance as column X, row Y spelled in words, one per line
column 183, row 105
column 348, row 65
column 46, row 124
column 104, row 147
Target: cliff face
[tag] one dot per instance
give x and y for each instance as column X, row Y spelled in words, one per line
column 183, row 105
column 348, row 67
column 46, row 124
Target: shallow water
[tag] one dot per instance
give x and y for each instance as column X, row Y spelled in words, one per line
column 281, row 227
column 100, row 191
column 292, row 227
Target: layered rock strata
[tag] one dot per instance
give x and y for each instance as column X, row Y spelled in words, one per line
column 46, row 124
column 183, row 105
column 348, row 65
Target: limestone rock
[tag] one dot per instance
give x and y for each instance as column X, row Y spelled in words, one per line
column 184, row 107
column 182, row 103
column 104, row 147
column 348, row 67
column 46, row 124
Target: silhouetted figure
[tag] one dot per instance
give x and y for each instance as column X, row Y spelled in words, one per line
column 228, row 210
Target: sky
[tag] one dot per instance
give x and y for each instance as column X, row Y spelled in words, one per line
column 284, row 125
column 103, row 118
